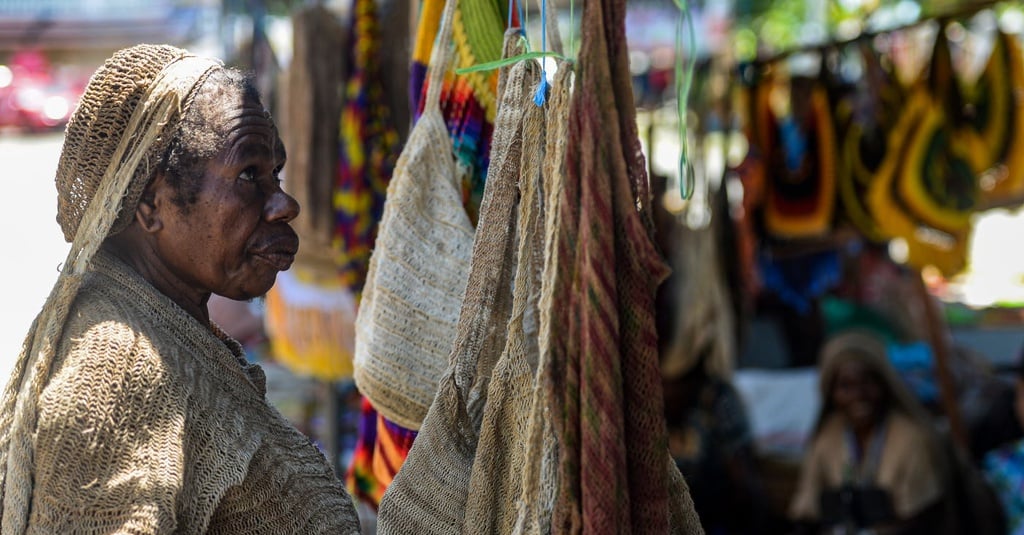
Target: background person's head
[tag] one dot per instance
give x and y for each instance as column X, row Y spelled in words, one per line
column 859, row 394
column 859, row 383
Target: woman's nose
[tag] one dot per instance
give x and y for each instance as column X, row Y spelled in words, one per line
column 281, row 207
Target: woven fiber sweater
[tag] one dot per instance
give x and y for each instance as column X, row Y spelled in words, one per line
column 151, row 423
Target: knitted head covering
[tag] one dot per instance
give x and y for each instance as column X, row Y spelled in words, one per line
column 129, row 112
column 94, row 133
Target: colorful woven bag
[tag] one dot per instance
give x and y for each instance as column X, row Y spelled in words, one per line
column 468, row 101
column 998, row 103
column 799, row 148
column 368, row 149
column 927, row 184
column 865, row 118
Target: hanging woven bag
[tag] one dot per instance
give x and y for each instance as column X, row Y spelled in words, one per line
column 501, row 453
column 999, row 100
column 429, row 494
column 539, row 486
column 616, row 474
column 927, row 184
column 418, row 271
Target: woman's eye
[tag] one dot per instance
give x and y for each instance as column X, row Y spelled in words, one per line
column 249, row 175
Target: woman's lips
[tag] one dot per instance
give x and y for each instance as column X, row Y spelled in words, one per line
column 279, row 253
column 280, row 261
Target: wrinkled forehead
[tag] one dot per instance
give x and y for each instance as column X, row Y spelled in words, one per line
column 243, row 125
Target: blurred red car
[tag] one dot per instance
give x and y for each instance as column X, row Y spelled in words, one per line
column 33, row 96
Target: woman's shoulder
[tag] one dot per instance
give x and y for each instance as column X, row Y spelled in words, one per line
column 99, row 347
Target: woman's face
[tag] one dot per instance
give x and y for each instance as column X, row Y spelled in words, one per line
column 236, row 237
column 858, row 394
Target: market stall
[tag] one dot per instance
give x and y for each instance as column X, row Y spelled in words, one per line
column 795, row 192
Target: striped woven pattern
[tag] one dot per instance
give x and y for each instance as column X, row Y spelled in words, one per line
column 468, row 101
column 379, row 454
column 616, row 474
column 368, row 150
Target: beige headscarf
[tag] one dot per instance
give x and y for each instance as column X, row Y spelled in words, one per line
column 113, row 144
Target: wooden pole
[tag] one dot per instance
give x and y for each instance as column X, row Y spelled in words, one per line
column 397, row 26
column 939, row 339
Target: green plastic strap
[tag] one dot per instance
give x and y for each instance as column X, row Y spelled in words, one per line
column 491, row 65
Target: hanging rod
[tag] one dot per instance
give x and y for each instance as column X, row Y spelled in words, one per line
column 961, row 12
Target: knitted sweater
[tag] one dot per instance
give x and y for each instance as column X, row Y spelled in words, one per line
column 151, row 423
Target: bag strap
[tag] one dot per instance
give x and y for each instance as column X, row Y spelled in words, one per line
column 486, row 307
column 440, row 58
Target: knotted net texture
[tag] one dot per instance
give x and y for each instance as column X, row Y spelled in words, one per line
column 504, row 432
column 114, row 141
column 616, row 473
column 94, row 133
column 486, row 460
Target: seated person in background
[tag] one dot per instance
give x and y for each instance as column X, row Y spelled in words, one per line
column 874, row 460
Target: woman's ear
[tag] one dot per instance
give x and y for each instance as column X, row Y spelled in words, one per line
column 148, row 213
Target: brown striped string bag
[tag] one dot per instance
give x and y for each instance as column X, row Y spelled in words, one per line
column 616, row 474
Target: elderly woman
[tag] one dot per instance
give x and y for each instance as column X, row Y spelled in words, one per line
column 874, row 461
column 129, row 411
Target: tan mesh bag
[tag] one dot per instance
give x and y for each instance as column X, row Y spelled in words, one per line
column 428, row 496
column 539, row 461
column 500, row 455
column 417, row 274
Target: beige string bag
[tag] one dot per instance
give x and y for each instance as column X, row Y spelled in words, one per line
column 500, row 455
column 517, row 439
column 429, row 494
column 539, row 487
column 417, row 275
